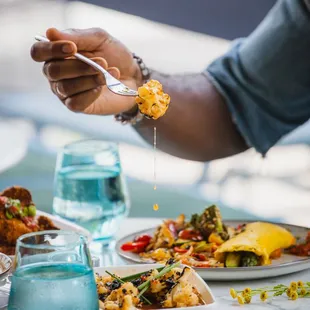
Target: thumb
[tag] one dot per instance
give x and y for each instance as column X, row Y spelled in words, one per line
column 85, row 39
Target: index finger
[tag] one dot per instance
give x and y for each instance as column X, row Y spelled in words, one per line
column 45, row 51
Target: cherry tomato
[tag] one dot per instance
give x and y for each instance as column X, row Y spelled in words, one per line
column 190, row 234
column 179, row 250
column 143, row 238
column 135, row 247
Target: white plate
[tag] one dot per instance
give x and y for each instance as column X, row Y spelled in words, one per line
column 194, row 278
column 285, row 265
column 64, row 225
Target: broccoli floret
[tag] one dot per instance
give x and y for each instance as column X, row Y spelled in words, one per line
column 249, row 259
column 210, row 221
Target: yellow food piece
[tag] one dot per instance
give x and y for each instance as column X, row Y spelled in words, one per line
column 260, row 238
column 155, row 207
column 151, row 100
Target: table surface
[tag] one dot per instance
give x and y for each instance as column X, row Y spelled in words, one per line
column 221, row 289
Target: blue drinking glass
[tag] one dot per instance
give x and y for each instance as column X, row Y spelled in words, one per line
column 89, row 188
column 53, row 270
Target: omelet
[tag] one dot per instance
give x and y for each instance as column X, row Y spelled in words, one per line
column 151, row 100
column 254, row 245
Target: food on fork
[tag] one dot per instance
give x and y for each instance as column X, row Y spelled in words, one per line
column 165, row 287
column 18, row 217
column 151, row 100
column 254, row 246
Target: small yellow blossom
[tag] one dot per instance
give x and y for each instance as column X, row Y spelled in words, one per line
column 300, row 284
column 247, row 298
column 303, row 292
column 263, row 296
column 247, row 290
column 294, row 295
column 293, row 286
column 289, row 292
column 233, row 293
column 240, row 300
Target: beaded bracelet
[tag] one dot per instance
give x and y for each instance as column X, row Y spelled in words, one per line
column 135, row 117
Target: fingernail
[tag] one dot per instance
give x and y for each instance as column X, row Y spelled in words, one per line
column 67, row 48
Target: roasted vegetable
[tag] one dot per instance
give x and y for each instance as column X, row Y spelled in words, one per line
column 249, row 259
column 210, row 221
column 233, row 260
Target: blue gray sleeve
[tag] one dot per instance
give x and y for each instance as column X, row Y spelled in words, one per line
column 265, row 78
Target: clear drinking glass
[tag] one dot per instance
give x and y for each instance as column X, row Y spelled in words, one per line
column 89, row 188
column 53, row 270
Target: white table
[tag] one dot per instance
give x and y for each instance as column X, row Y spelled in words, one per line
column 221, row 289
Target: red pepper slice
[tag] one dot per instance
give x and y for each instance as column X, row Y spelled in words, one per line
column 143, row 238
column 3, row 199
column 179, row 250
column 29, row 221
column 190, row 234
column 14, row 210
column 172, row 228
column 199, row 256
column 135, row 247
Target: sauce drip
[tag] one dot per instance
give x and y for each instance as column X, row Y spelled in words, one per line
column 155, row 206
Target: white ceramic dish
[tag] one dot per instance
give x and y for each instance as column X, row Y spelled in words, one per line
column 5, row 265
column 64, row 225
column 285, row 265
column 194, row 278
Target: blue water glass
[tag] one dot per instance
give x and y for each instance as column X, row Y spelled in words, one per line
column 89, row 188
column 53, row 270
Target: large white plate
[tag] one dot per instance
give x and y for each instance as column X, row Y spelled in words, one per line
column 285, row 265
column 64, row 225
column 195, row 279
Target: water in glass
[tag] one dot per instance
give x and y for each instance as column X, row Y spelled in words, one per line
column 53, row 270
column 90, row 189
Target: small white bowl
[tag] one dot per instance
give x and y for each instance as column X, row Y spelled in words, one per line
column 194, row 278
column 5, row 265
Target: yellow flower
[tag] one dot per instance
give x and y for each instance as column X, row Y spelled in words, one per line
column 247, row 298
column 263, row 296
column 247, row 290
column 293, row 286
column 233, row 293
column 303, row 292
column 289, row 292
column 240, row 300
column 300, row 284
column 294, row 295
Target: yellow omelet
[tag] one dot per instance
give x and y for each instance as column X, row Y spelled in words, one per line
column 259, row 238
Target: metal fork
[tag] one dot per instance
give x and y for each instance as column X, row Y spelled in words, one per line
column 112, row 83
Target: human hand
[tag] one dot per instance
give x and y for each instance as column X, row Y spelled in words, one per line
column 80, row 87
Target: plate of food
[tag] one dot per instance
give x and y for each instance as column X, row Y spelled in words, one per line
column 19, row 216
column 218, row 250
column 152, row 286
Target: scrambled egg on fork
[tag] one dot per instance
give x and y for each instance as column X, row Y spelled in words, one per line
column 151, row 100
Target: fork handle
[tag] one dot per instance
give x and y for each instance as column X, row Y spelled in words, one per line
column 80, row 57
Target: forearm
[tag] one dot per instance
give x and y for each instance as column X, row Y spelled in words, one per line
column 197, row 125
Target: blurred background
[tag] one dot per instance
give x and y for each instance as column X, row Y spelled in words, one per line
column 174, row 36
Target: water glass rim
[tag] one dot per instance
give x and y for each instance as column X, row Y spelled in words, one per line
column 80, row 237
column 104, row 146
